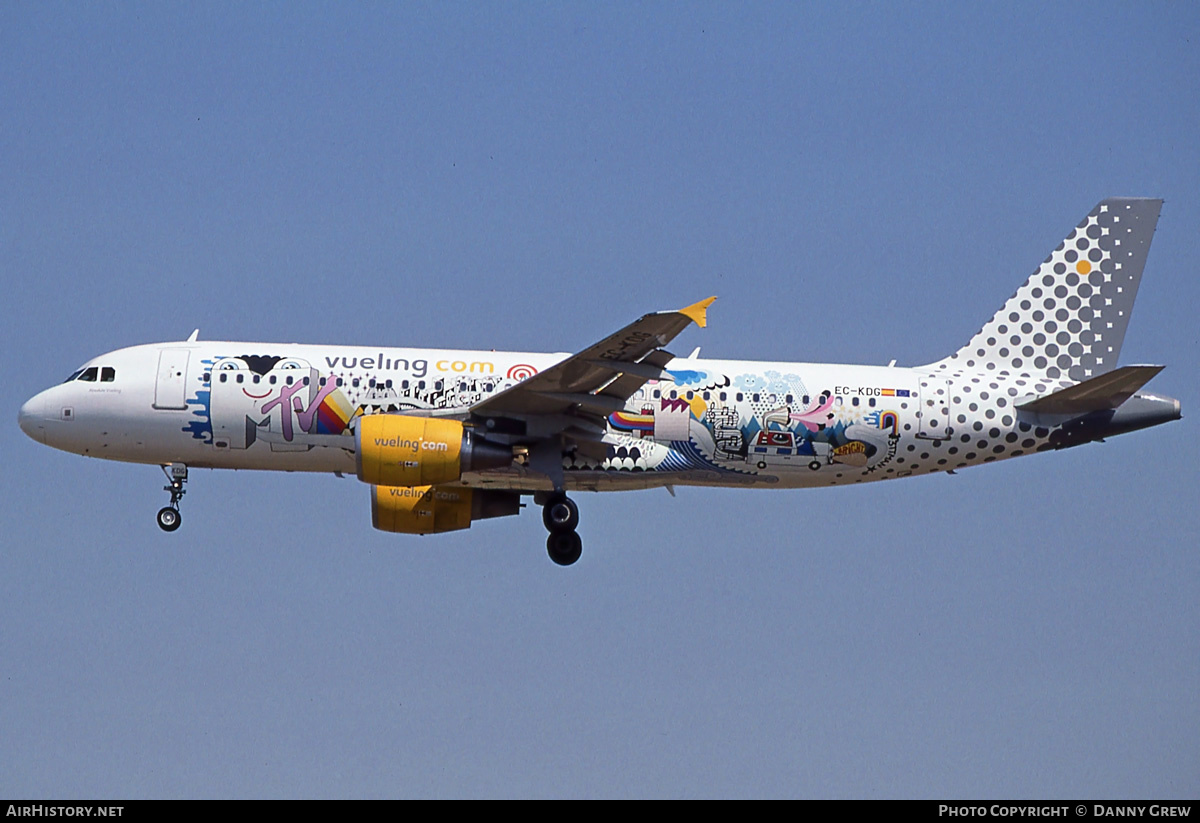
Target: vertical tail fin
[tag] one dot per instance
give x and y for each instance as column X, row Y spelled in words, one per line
column 1068, row 321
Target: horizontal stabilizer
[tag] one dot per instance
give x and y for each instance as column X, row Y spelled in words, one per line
column 1108, row 391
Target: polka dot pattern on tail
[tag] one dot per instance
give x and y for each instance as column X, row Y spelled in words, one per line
column 1068, row 321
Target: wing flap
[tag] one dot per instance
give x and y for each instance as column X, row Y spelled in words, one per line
column 634, row 375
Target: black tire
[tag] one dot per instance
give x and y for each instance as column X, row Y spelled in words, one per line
column 762, row 464
column 564, row 548
column 816, row 464
column 560, row 514
column 169, row 519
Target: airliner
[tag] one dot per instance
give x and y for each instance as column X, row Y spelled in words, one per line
column 444, row 438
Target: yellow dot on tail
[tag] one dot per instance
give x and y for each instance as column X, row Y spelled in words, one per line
column 1083, row 267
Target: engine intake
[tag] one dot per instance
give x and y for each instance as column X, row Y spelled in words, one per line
column 398, row 450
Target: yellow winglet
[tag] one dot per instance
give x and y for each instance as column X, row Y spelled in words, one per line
column 698, row 312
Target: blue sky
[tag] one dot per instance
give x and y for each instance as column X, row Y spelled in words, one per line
column 857, row 182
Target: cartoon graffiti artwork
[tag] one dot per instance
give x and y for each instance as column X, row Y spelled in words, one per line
column 672, row 421
column 726, row 427
column 290, row 405
column 756, row 425
column 641, row 425
column 779, row 448
column 283, row 402
column 781, row 428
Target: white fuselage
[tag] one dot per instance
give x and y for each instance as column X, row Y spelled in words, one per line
column 293, row 407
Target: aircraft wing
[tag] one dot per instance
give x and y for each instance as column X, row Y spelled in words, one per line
column 602, row 377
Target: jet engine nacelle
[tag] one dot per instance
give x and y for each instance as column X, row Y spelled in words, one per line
column 432, row 509
column 398, row 450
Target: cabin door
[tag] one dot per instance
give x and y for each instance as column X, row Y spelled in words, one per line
column 170, row 385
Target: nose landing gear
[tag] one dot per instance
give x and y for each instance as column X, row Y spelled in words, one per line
column 169, row 518
column 561, row 517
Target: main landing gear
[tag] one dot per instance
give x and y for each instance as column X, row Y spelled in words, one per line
column 561, row 517
column 169, row 518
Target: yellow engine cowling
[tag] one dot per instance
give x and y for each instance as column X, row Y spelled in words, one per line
column 398, row 450
column 433, row 509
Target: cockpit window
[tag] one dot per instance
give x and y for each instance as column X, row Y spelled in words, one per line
column 105, row 374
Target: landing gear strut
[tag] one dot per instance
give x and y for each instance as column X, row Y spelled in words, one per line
column 561, row 517
column 169, row 518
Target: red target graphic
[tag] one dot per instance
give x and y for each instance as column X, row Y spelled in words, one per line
column 521, row 371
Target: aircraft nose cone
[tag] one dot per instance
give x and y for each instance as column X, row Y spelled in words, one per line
column 31, row 418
